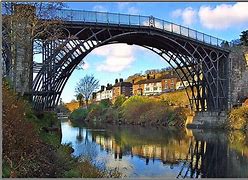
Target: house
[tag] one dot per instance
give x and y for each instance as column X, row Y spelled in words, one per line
column 152, row 87
column 169, row 82
column 121, row 88
column 148, row 86
column 107, row 92
column 93, row 96
column 99, row 94
column 138, row 88
column 104, row 93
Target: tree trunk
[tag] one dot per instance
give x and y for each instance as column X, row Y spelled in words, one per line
column 86, row 102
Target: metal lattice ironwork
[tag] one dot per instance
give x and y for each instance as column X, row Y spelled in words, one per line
column 197, row 58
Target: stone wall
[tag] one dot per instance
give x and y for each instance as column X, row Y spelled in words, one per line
column 208, row 120
column 238, row 91
column 22, row 48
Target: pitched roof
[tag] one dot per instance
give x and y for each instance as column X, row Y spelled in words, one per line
column 168, row 76
column 146, row 81
column 109, row 87
column 122, row 84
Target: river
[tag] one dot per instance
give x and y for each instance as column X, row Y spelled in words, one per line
column 160, row 152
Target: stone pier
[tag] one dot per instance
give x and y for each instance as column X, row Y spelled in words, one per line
column 208, row 120
column 22, row 48
column 238, row 91
column 238, row 81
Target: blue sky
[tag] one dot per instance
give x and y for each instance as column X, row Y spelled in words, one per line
column 223, row 20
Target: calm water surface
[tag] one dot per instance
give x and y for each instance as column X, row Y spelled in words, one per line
column 160, row 152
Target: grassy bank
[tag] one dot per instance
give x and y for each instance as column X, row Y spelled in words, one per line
column 137, row 110
column 238, row 118
column 31, row 144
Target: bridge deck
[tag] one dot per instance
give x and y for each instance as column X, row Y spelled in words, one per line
column 110, row 19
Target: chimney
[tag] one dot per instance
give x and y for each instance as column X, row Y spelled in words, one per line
column 108, row 85
column 102, row 88
column 147, row 76
column 121, row 80
column 116, row 81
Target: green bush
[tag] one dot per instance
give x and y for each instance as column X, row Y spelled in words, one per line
column 119, row 101
column 134, row 107
column 79, row 114
column 96, row 111
column 110, row 115
column 144, row 110
column 238, row 118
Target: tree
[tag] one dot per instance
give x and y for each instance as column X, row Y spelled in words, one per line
column 244, row 38
column 80, row 98
column 86, row 86
column 24, row 34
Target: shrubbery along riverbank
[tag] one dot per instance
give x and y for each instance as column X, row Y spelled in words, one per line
column 137, row 110
column 32, row 144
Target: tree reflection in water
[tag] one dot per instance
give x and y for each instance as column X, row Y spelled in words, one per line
column 213, row 158
column 180, row 154
column 79, row 137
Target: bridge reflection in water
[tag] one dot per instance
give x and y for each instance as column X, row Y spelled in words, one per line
column 168, row 152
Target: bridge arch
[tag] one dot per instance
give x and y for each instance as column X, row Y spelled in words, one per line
column 197, row 62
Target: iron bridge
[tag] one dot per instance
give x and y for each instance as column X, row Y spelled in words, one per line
column 198, row 58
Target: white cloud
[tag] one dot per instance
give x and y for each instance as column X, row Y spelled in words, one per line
column 99, row 8
column 224, row 15
column 133, row 10
column 118, row 57
column 126, row 7
column 122, row 5
column 177, row 13
column 188, row 15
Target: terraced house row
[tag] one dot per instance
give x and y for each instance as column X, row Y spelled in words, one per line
column 150, row 86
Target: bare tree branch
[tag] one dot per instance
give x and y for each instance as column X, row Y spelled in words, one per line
column 86, row 87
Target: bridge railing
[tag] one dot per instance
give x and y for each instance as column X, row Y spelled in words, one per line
column 131, row 20
column 137, row 20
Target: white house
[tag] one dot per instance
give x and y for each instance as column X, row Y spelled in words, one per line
column 107, row 93
column 152, row 87
column 98, row 95
column 104, row 93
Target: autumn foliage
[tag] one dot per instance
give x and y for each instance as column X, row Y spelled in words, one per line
column 31, row 152
column 21, row 144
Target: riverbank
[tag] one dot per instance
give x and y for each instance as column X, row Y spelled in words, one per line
column 145, row 111
column 32, row 144
column 238, row 118
column 136, row 110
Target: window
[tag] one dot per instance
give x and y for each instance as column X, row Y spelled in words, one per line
column 155, row 88
column 147, row 89
column 172, row 84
